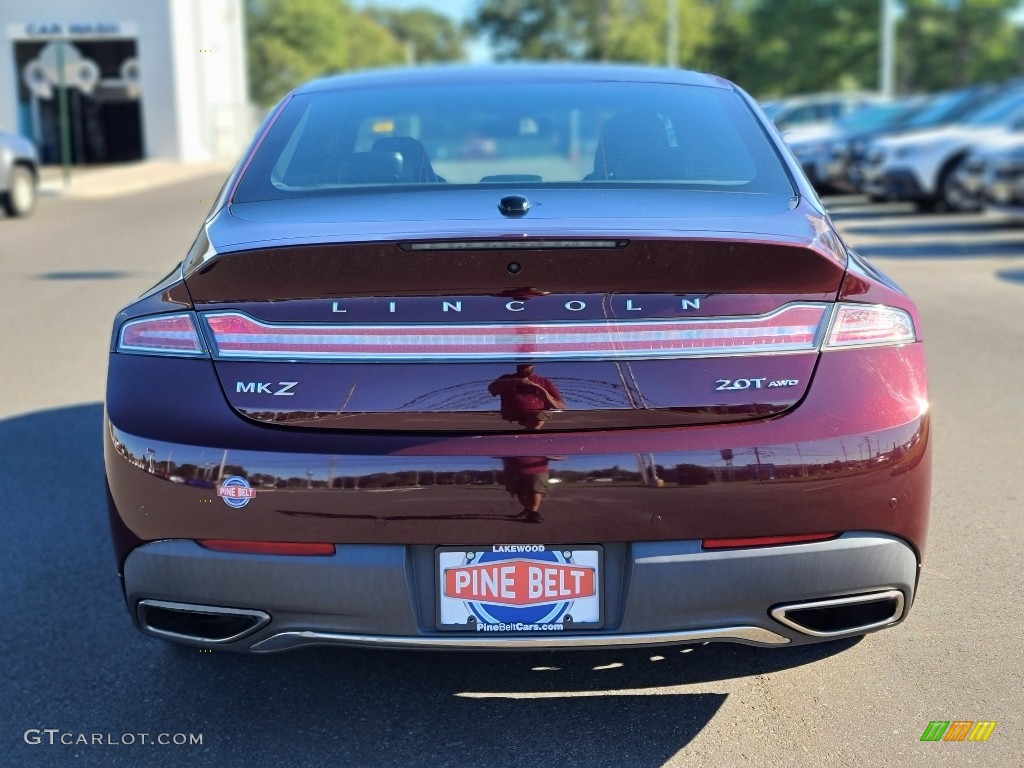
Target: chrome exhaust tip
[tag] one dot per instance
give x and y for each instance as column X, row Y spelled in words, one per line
column 842, row 615
column 198, row 623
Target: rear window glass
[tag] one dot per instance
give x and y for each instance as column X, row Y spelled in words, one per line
column 523, row 134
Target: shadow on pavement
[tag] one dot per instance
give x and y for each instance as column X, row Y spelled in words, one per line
column 75, row 663
column 97, row 274
column 1011, row 275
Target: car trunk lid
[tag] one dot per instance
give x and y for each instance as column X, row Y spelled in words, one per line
column 434, row 334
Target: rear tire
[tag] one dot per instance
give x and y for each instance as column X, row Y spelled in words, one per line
column 20, row 198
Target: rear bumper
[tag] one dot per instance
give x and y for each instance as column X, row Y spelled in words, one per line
column 656, row 593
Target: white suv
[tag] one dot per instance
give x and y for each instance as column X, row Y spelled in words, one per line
column 920, row 166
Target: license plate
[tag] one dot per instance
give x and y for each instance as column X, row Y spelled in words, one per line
column 519, row 589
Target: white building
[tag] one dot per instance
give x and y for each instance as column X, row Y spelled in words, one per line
column 145, row 78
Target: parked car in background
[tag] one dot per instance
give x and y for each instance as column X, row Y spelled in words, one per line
column 920, row 166
column 817, row 147
column 817, row 108
column 1002, row 180
column 1004, row 183
column 990, row 176
column 609, row 382
column 940, row 109
column 19, row 174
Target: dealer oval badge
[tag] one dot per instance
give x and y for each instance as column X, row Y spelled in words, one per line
column 236, row 491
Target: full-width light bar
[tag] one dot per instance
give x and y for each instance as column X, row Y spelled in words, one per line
column 793, row 328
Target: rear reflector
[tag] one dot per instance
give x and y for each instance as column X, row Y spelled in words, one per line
column 793, row 328
column 268, row 547
column 866, row 324
column 765, row 541
column 161, row 335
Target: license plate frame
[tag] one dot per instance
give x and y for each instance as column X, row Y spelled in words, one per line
column 559, row 565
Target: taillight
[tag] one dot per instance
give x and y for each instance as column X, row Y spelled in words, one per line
column 161, row 335
column 793, row 328
column 268, row 547
column 765, row 541
column 868, row 324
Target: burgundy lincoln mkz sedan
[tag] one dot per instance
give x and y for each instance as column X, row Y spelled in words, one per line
column 517, row 357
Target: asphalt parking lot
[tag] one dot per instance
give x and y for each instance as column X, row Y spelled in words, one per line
column 76, row 666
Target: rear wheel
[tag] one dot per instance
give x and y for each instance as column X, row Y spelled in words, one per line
column 20, row 198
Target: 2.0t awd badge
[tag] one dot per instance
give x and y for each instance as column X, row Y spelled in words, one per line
column 730, row 385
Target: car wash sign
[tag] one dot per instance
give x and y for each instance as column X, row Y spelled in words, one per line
column 519, row 589
column 43, row 29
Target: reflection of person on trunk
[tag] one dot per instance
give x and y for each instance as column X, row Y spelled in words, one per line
column 526, row 398
column 527, row 478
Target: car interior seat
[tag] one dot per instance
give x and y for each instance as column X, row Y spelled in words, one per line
column 415, row 165
column 634, row 146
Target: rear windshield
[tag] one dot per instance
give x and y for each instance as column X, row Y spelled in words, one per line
column 519, row 134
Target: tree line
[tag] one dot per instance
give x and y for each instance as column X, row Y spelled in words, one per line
column 291, row 41
column 770, row 47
